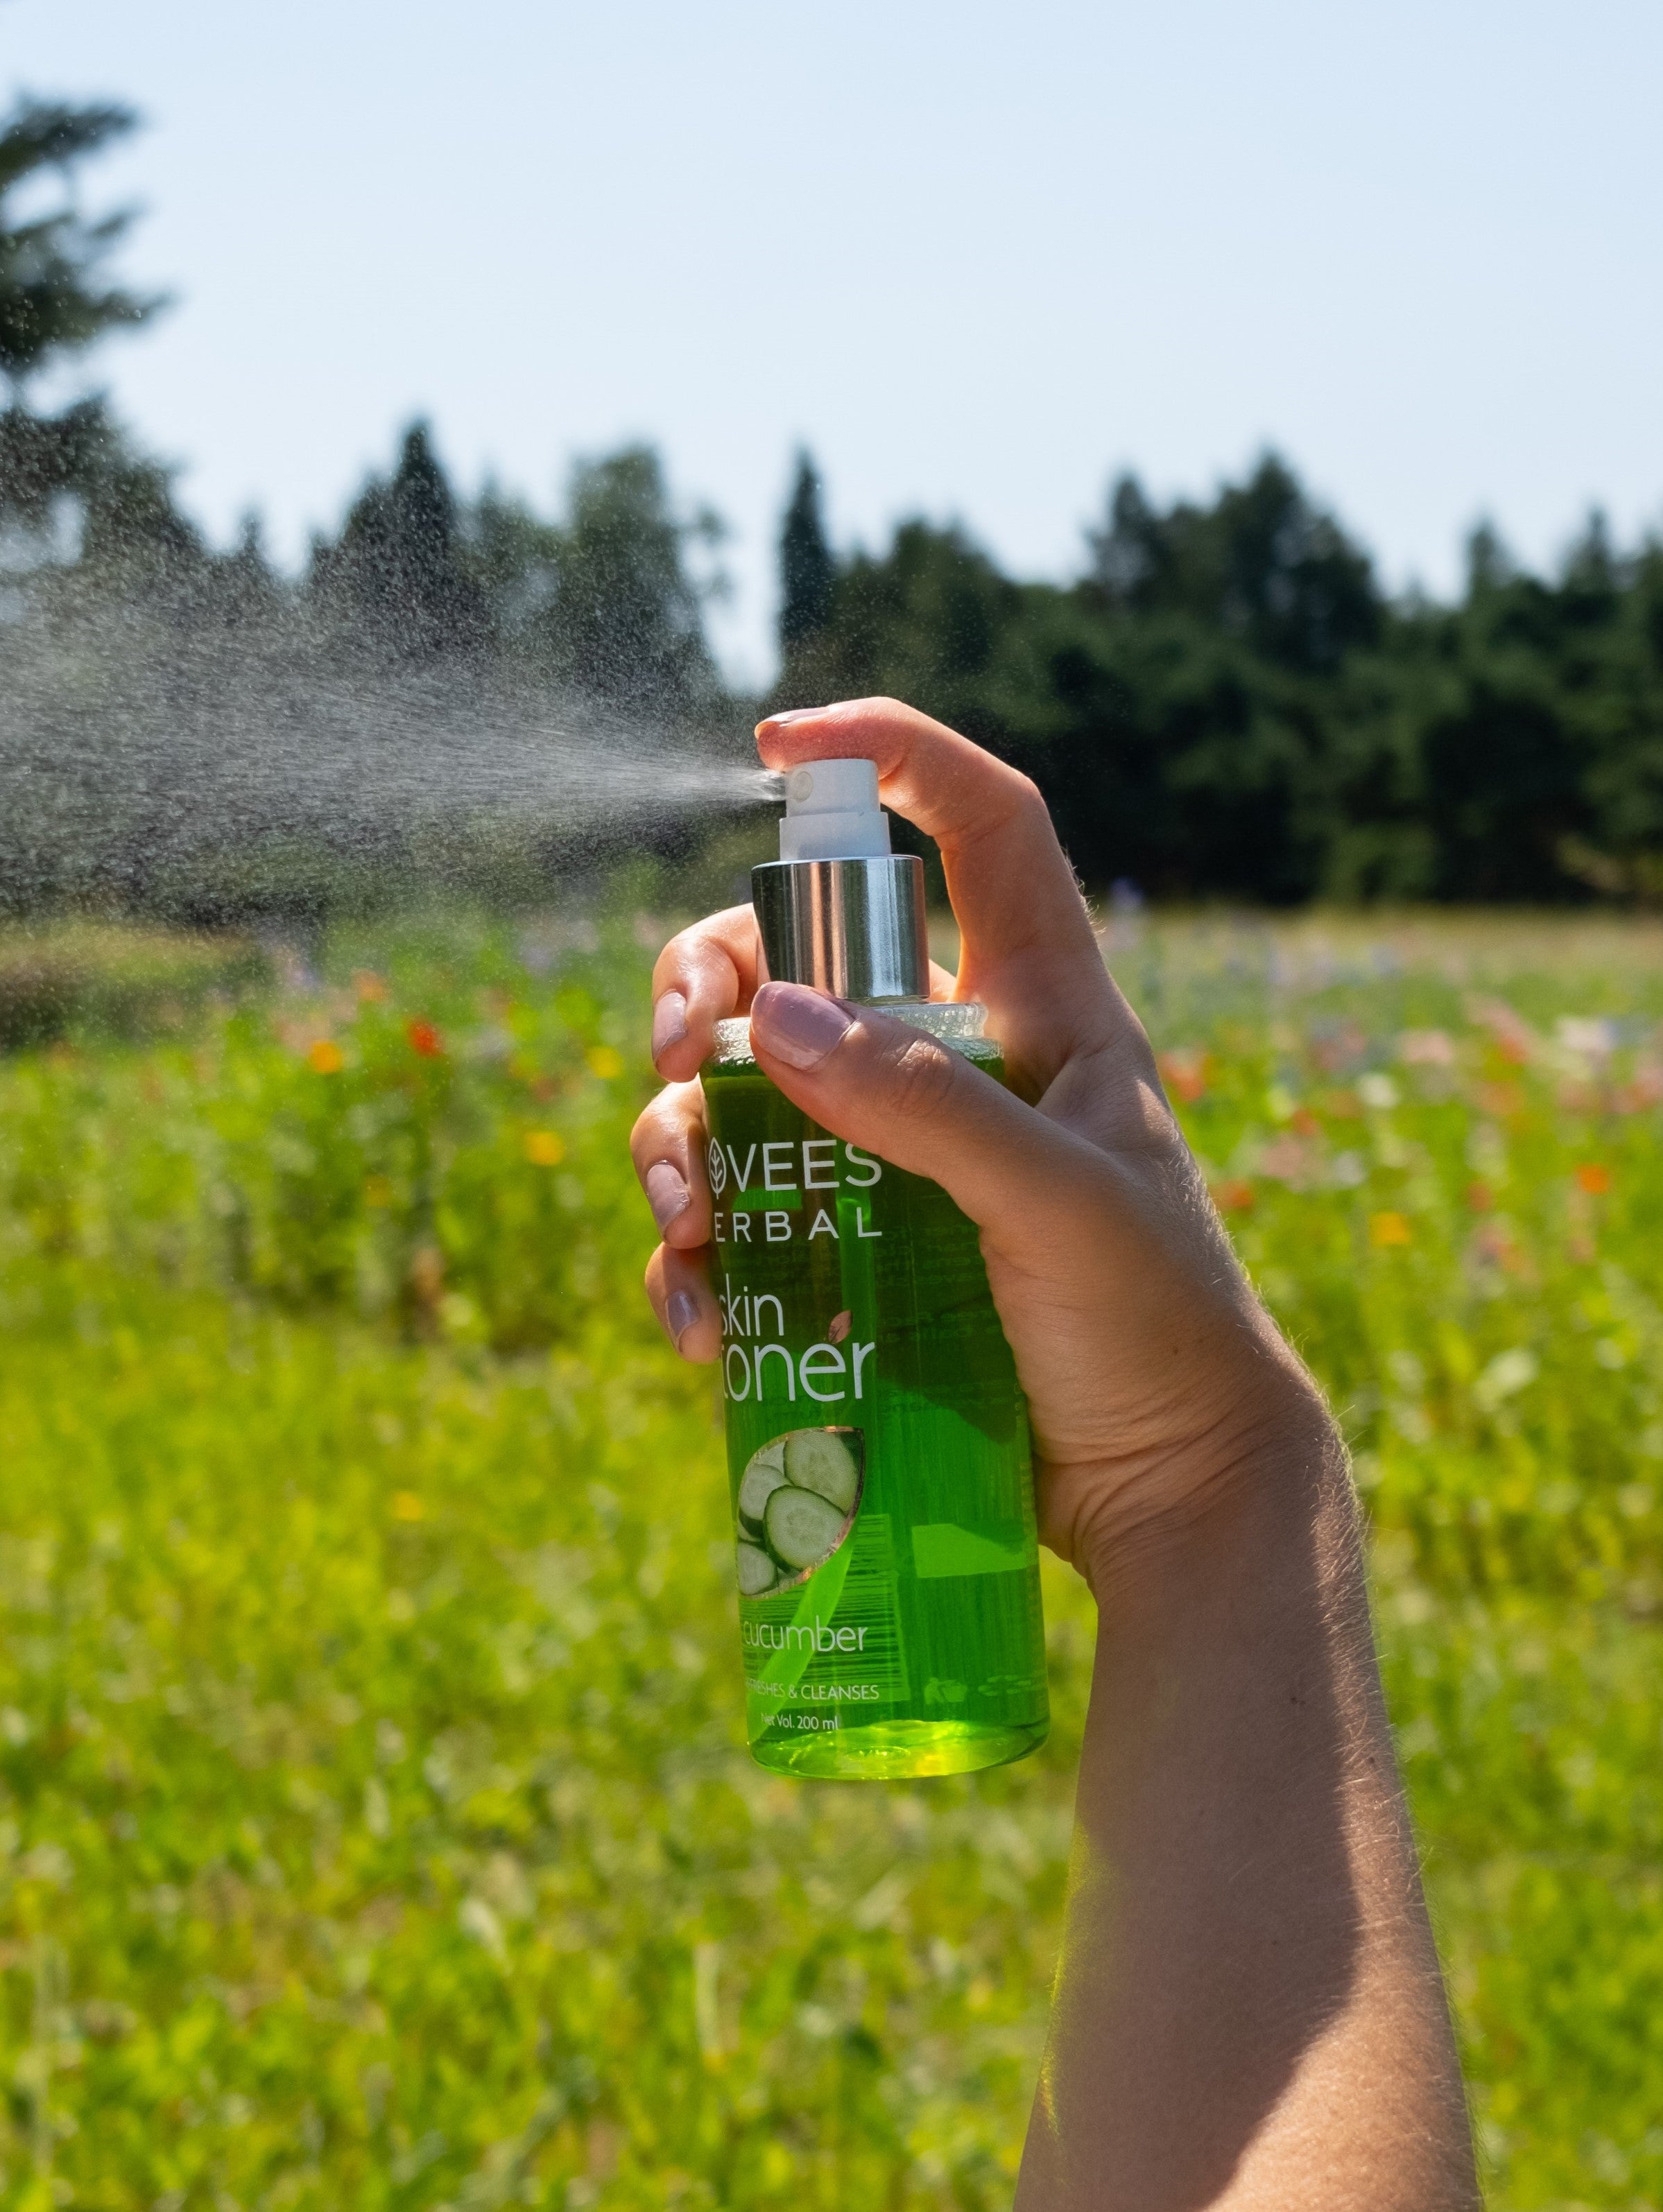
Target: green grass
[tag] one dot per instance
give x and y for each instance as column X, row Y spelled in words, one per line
column 375, row 1826
column 111, row 978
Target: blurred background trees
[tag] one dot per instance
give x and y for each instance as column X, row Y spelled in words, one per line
column 1224, row 701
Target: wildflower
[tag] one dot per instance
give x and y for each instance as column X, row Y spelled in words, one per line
column 1233, row 1195
column 324, row 1056
column 1480, row 1197
column 369, row 986
column 1379, row 1091
column 1593, row 1039
column 1426, row 1048
column 1184, row 1072
column 378, row 1190
column 1291, row 1160
column 407, row 1506
column 424, row 1039
column 1507, row 1374
column 1384, row 1229
column 1504, row 1100
column 605, row 1060
column 1594, row 1178
column 545, row 1148
column 1495, row 1245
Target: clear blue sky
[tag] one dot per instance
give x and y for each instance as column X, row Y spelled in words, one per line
column 978, row 255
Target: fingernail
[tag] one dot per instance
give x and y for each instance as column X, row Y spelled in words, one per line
column 797, row 1025
column 667, row 1193
column 789, row 714
column 680, row 1312
column 669, row 1022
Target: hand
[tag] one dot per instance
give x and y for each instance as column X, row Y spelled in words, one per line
column 1152, row 1372
column 1248, row 2010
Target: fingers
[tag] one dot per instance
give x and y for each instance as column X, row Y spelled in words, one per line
column 1028, row 946
column 891, row 1089
column 701, row 976
column 678, row 1288
column 667, row 1146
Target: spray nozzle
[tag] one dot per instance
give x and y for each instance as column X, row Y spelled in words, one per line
column 832, row 812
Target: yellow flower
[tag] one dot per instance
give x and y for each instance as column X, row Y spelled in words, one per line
column 605, row 1061
column 1389, row 1229
column 325, row 1057
column 544, row 1148
column 406, row 1506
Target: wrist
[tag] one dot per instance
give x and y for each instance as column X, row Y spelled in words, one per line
column 1277, row 1477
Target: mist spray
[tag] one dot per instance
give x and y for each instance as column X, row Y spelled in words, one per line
column 877, row 1437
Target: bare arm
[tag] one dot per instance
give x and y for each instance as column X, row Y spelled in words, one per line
column 1249, row 2011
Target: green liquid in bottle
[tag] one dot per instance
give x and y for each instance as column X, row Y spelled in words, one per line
column 878, row 1450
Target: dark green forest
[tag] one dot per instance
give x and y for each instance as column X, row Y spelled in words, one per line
column 1224, row 701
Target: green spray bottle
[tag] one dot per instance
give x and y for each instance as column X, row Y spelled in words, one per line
column 877, row 1437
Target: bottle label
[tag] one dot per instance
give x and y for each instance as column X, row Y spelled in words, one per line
column 878, row 1442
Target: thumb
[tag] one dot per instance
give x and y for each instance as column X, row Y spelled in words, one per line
column 896, row 1090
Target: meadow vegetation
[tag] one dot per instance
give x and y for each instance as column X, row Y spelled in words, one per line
column 376, row 1823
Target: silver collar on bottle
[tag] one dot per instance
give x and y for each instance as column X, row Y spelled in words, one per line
column 855, row 928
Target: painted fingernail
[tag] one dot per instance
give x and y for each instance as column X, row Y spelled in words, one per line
column 669, row 1022
column 667, row 1193
column 797, row 1025
column 680, row 1312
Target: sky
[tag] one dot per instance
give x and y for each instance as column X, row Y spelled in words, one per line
column 980, row 257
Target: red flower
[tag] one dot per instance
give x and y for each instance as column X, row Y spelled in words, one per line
column 425, row 1039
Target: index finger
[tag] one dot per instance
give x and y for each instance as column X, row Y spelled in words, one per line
column 1028, row 947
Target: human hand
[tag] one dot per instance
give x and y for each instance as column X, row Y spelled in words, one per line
column 1153, row 1376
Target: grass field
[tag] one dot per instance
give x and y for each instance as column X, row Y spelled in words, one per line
column 375, row 1826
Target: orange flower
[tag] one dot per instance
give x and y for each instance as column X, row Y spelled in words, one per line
column 1233, row 1195
column 1185, row 1071
column 1386, row 1229
column 425, row 1039
column 1594, row 1178
column 324, row 1057
column 545, row 1148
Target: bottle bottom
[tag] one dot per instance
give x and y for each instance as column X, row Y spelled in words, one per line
column 896, row 1750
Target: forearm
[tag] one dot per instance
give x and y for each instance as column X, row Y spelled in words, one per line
column 1249, row 2011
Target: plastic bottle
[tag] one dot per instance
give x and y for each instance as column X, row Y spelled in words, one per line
column 877, row 1437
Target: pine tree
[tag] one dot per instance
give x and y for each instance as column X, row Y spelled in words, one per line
column 807, row 568
column 395, row 571
column 49, row 302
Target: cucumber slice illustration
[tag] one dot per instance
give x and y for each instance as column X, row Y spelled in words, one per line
column 818, row 1460
column 803, row 1528
column 756, row 1570
column 763, row 1475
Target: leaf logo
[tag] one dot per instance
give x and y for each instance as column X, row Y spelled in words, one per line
column 840, row 1326
column 718, row 1169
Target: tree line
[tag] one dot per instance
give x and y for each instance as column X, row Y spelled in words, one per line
column 1224, row 701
